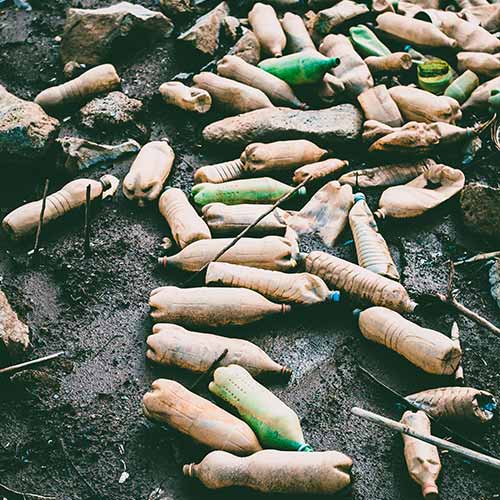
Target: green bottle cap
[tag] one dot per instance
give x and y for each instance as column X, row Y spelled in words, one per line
column 304, row 447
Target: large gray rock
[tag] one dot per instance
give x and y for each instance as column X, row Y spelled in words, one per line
column 26, row 131
column 338, row 124
column 14, row 334
column 90, row 35
column 481, row 210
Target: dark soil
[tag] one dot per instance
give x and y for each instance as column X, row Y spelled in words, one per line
column 83, row 412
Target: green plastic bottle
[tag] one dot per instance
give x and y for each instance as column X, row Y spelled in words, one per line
column 257, row 190
column 300, row 68
column 434, row 76
column 494, row 101
column 461, row 88
column 366, row 42
column 275, row 424
column 417, row 57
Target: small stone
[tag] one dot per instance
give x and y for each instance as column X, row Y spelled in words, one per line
column 331, row 126
column 204, row 35
column 14, row 334
column 26, row 131
column 247, row 47
column 481, row 209
column 72, row 69
column 91, row 35
column 58, row 39
column 176, row 7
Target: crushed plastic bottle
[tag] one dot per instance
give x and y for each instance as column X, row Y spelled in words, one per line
column 267, row 29
column 186, row 98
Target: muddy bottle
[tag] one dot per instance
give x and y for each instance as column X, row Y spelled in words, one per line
column 359, row 283
column 185, row 224
column 479, row 98
column 300, row 68
column 393, row 63
column 319, row 170
column 377, row 104
column 297, row 36
column 461, row 88
column 275, row 424
column 271, row 252
column 171, row 403
column 247, row 47
column 173, row 345
column 485, row 15
column 267, row 29
column 387, row 175
column 410, row 30
column 278, row 91
column 416, row 197
column 187, row 98
column 494, row 101
column 328, row 20
column 366, row 42
column 24, row 220
column 431, row 351
column 103, row 78
column 422, row 459
column 486, row 65
column 211, row 307
column 301, row 288
column 274, row 471
column 230, row 95
column 219, row 172
column 421, row 106
column 434, row 76
column 371, row 248
column 456, row 403
column 148, row 172
column 259, row 190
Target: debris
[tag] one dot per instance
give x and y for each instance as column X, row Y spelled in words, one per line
column 479, row 98
column 494, row 278
column 247, row 47
column 377, row 104
column 211, row 307
column 14, row 334
column 148, row 173
column 494, row 101
column 267, row 29
column 477, row 258
column 23, row 493
column 485, row 65
column 367, row 43
column 297, row 37
column 434, row 76
column 123, row 477
column 175, row 8
column 393, row 63
column 29, row 364
column 462, row 87
column 92, row 36
column 455, row 337
column 87, row 249
column 72, row 69
column 319, row 170
column 220, row 172
column 187, row 98
column 328, row 20
column 231, row 27
column 40, row 220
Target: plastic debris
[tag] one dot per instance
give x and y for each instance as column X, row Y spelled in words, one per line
column 187, row 98
column 267, row 29
column 434, row 76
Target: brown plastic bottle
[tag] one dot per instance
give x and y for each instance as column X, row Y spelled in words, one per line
column 319, row 170
column 422, row 459
column 297, row 36
column 371, row 248
column 173, row 345
column 219, row 172
column 171, row 403
column 274, row 471
column 301, row 288
column 431, row 351
column 271, row 252
column 267, row 29
column 148, row 172
column 377, row 104
column 486, row 65
column 230, row 95
column 212, row 307
column 358, row 282
column 103, row 78
column 230, row 220
column 393, row 63
column 185, row 224
column 187, row 98
column 24, row 220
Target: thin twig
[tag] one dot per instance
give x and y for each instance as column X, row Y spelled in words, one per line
column 210, row 369
column 29, row 364
column 23, row 494
column 40, row 220
column 455, row 337
column 478, row 258
column 87, row 222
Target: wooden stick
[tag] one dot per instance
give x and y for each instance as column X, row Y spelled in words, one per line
column 40, row 220
column 478, row 258
column 87, row 222
column 24, row 494
column 455, row 337
column 210, row 369
column 441, row 443
column 29, row 364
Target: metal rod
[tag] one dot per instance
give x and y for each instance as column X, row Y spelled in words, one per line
column 29, row 364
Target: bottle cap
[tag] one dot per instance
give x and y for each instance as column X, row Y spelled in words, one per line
column 359, row 197
column 305, row 447
column 407, row 48
column 429, row 490
column 334, row 296
column 302, row 191
column 356, row 313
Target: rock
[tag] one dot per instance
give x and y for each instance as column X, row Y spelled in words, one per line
column 14, row 334
column 83, row 154
column 72, row 69
column 204, row 35
column 232, row 28
column 481, row 209
column 116, row 112
column 26, row 131
column 90, row 35
column 247, row 47
column 176, row 7
column 334, row 125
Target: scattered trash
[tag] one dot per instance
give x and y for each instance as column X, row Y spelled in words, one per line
column 316, row 171
column 392, row 64
column 298, row 38
column 479, row 98
column 377, row 104
column 247, row 48
column 327, row 20
column 461, row 88
column 486, row 65
column 455, row 337
column 267, row 29
column 187, row 98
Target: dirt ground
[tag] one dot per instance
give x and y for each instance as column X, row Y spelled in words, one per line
column 71, row 428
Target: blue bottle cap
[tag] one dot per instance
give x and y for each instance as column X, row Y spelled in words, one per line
column 359, row 197
column 407, row 48
column 334, row 296
column 356, row 313
column 302, row 191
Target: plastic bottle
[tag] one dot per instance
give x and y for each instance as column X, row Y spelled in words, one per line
column 103, row 78
column 479, row 98
column 427, row 349
column 185, row 224
column 371, row 248
column 359, row 283
column 187, row 98
column 300, row 68
column 210, row 307
column 434, row 76
column 422, row 459
column 219, row 172
column 377, row 104
column 267, row 29
column 171, row 403
column 393, row 63
column 173, row 345
column 230, row 95
column 459, row 403
column 271, row 252
column 297, row 36
column 259, row 190
column 273, row 471
column 319, row 170
column 275, row 424
column 366, row 42
column 461, row 88
column 486, row 65
column 328, row 20
column 494, row 101
column 278, row 91
column 301, row 288
column 24, row 220
column 149, row 172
